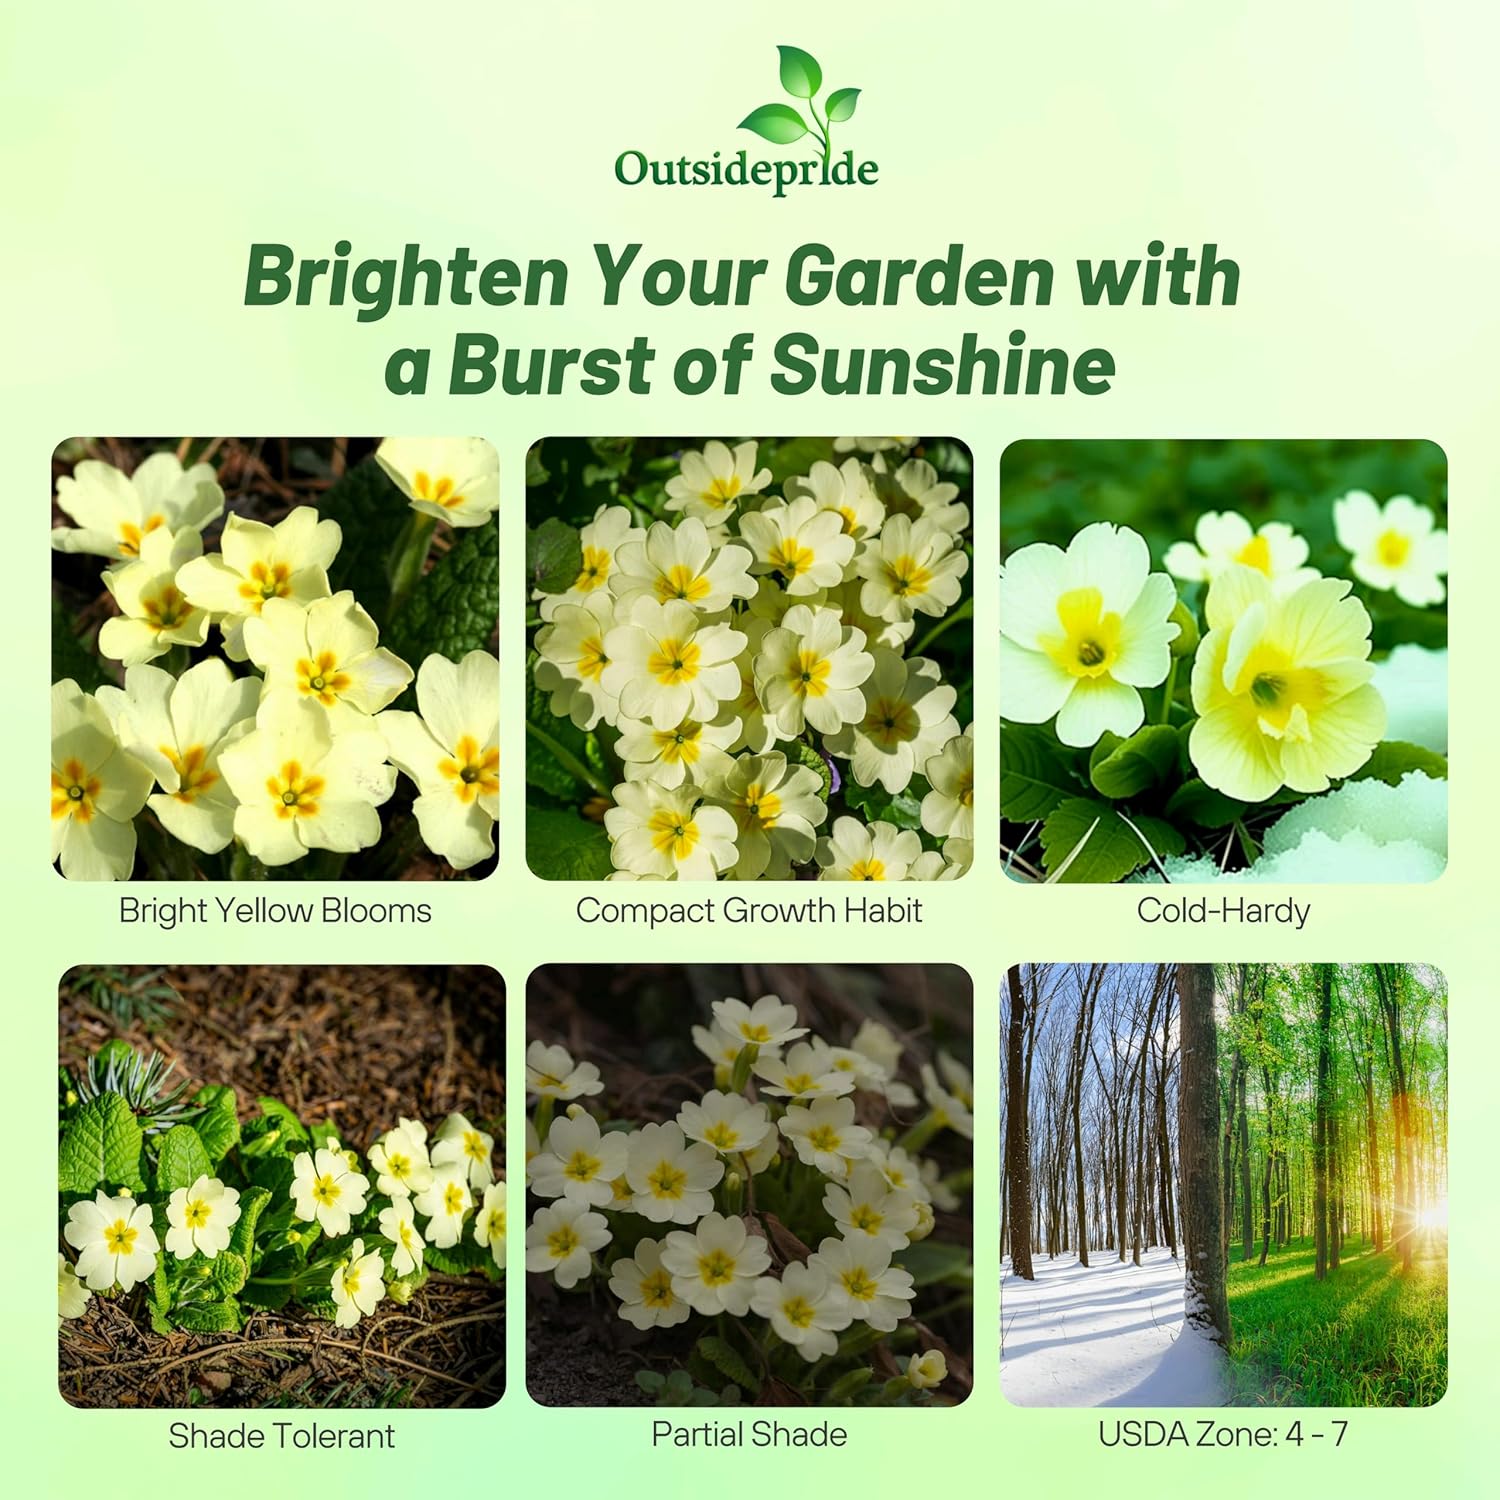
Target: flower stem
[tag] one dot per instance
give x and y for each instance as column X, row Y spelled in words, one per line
column 569, row 761
column 543, row 1121
column 965, row 611
column 410, row 556
column 1165, row 717
column 920, row 1133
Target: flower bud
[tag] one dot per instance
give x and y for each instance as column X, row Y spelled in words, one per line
column 924, row 1371
column 1187, row 630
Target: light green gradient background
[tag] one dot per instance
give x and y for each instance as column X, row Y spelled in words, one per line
column 1342, row 153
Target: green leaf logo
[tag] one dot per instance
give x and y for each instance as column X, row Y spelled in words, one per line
column 802, row 78
column 778, row 123
column 841, row 104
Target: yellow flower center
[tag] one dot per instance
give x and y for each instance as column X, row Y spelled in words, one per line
column 666, row 1181
column 683, row 744
column 680, row 582
column 674, row 661
column 474, row 1146
column 293, row 793
column 851, row 521
column 907, row 577
column 398, row 1166
column 265, row 581
column 594, row 571
column 592, row 659
column 759, row 808
column 326, row 1190
column 722, row 1136
column 196, row 1214
column 809, row 674
column 798, row 1311
column 321, row 679
column 351, row 1279
column 797, row 1083
column 1392, row 549
column 753, row 1031
column 581, row 1167
column 131, row 534
column 473, row 772
column 716, row 1268
column 74, row 792
column 859, row 1284
column 193, row 775
column 656, row 1290
column 622, row 1190
column 166, row 610
column 562, row 1242
column 1281, row 695
column 1256, row 553
column 673, row 833
column 120, row 1238
column 867, row 869
column 408, row 1240
column 720, row 492
column 439, row 491
column 890, row 722
column 824, row 1138
column 1090, row 643
column 965, row 788
column 866, row 1219
column 791, row 559
column 455, row 1199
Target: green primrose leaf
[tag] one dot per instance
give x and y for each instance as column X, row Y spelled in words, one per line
column 563, row 846
column 208, row 1317
column 778, row 123
column 801, row 76
column 847, row 1387
column 554, row 556
column 1035, row 774
column 803, row 754
column 285, row 1119
column 903, row 810
column 181, row 1160
column 229, row 1273
column 1107, row 848
column 101, row 1148
column 452, row 608
column 1131, row 766
column 727, row 1360
column 932, row 1261
column 459, row 1259
column 253, row 1201
column 219, row 1125
column 71, row 657
column 841, row 105
column 371, row 513
column 1199, row 803
column 1392, row 759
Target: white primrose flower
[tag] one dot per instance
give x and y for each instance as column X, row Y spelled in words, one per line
column 902, row 1170
column 573, row 659
column 686, row 751
column 873, row 444
column 115, row 1241
column 948, row 809
column 457, row 1141
column 177, row 727
column 878, row 1293
column 455, row 479
column 680, row 563
column 877, row 1053
column 880, row 851
column 714, row 1269
column 925, row 1372
column 1394, row 546
column 938, row 1192
column 1226, row 538
column 358, row 1285
column 445, row 1202
column 958, row 1079
column 256, row 563
column 673, row 1182
column 97, row 789
column 912, row 567
column 562, row 1239
column 809, row 672
column 771, row 602
column 806, row 1072
column 73, row 1297
column 579, row 1162
column 398, row 1224
column 729, row 1123
column 907, row 719
column 202, row 1218
column 770, row 1022
column 644, row 1287
column 869, row 1205
column 116, row 512
column 300, row 787
column 667, row 664
column 328, row 652
column 915, row 489
column 551, row 1073
column 668, row 833
column 719, row 1047
column 489, row 1223
column 847, row 491
column 451, row 750
column 327, row 1189
column 1082, row 631
column 713, row 482
column 805, row 1308
column 824, row 1135
column 401, row 1160
column 154, row 615
column 776, row 807
column 948, row 1109
column 611, row 528
column 805, row 545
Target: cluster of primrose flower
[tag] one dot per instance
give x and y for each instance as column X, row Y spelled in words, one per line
column 296, row 754
column 451, row 1185
column 753, row 630
column 783, row 1119
column 1281, row 678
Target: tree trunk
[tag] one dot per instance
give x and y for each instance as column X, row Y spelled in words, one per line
column 1321, row 1111
column 1017, row 1134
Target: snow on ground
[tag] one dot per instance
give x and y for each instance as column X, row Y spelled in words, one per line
column 1108, row 1335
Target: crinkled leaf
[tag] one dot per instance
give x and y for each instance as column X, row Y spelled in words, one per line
column 228, row 1272
column 101, row 1148
column 728, row 1361
column 266, row 1295
column 801, row 76
column 253, row 1201
column 841, row 105
column 1131, row 766
column 1108, row 849
column 285, row 1120
column 1035, row 773
column 208, row 1317
column 453, row 606
column 371, row 513
column 778, row 123
column 554, row 556
column 1392, row 759
column 800, row 753
column 563, row 846
column 904, row 810
column 848, row 1386
column 181, row 1159
column 459, row 1259
column 219, row 1125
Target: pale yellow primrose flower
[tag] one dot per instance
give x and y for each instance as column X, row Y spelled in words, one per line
column 807, row 1071
column 154, row 614
column 1393, row 546
column 688, row 751
column 907, row 719
column 178, row 726
column 848, row 491
column 328, row 652
column 715, row 1267
column 776, row 807
column 948, row 1109
column 401, row 1161
column 573, row 659
column 116, row 1243
column 673, row 1182
column 300, row 787
column 455, row 479
column 115, row 512
column 809, row 672
column 562, row 1239
column 948, row 809
column 805, row 1308
column 880, row 851
column 912, row 567
column 398, row 1224
column 551, row 1073
column 489, row 1223
column 644, row 1287
column 201, row 1217
column 579, row 1162
column 805, row 545
column 729, row 1123
column 925, row 1372
column 1225, row 538
column 357, row 1285
column 878, row 1293
column 668, row 833
column 915, row 489
column 446, row 1202
column 667, row 664
column 257, row 563
column 1282, row 687
column 327, row 1190
column 711, row 483
column 451, row 750
column 611, row 528
column 459, row 1141
column 769, row 1022
column 681, row 563
column 73, row 1297
column 868, row 1205
column 824, row 1135
column 97, row 788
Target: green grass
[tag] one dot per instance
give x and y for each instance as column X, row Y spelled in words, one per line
column 1366, row 1336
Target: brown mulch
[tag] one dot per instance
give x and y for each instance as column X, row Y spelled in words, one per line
column 356, row 1046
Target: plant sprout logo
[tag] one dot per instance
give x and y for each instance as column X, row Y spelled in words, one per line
column 781, row 125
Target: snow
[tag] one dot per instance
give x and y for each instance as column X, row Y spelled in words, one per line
column 1108, row 1335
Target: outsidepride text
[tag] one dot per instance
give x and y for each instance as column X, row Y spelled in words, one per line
column 633, row 168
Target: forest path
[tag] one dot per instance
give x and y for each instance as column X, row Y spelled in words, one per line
column 1111, row 1334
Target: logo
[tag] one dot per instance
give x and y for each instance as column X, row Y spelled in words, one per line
column 781, row 125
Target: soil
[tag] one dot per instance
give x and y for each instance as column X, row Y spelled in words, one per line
column 356, row 1046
